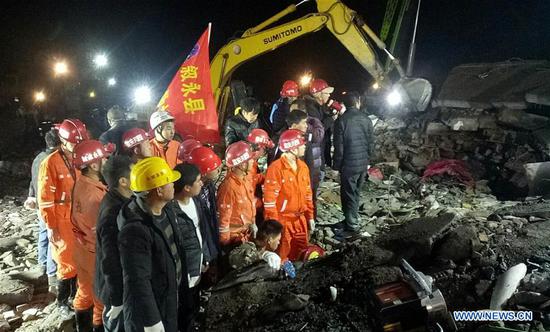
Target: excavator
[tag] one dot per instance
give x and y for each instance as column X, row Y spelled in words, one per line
column 349, row 29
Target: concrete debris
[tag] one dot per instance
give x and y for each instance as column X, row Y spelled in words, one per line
column 14, row 292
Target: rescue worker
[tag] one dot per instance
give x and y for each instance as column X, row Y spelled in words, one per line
column 288, row 94
column 191, row 226
column 149, row 251
column 88, row 192
column 56, row 179
column 314, row 132
column 210, row 166
column 136, row 144
column 262, row 145
column 287, row 195
column 108, row 277
column 238, row 127
column 236, row 201
column 117, row 126
column 352, row 138
column 262, row 247
column 186, row 147
column 320, row 106
column 45, row 259
column 163, row 145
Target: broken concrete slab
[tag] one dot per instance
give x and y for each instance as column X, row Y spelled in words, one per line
column 416, row 238
column 14, row 292
column 521, row 119
column 538, row 178
column 436, row 128
column 459, row 244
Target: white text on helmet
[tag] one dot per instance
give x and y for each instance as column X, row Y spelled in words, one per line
column 245, row 156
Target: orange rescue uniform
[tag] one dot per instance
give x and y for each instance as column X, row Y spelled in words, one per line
column 256, row 178
column 288, row 199
column 236, row 209
column 87, row 196
column 167, row 152
column 55, row 186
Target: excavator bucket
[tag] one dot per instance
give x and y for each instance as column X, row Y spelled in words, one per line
column 417, row 93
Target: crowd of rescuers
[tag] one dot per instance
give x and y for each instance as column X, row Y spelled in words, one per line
column 135, row 224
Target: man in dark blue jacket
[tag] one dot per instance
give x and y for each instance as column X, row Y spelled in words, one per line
column 191, row 226
column 352, row 144
column 108, row 277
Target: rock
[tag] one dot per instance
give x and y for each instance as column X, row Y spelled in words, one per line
column 521, row 119
column 483, row 237
column 537, row 281
column 4, row 325
column 8, row 243
column 14, row 292
column 528, row 299
column 459, row 244
column 482, row 287
column 8, row 314
column 29, row 314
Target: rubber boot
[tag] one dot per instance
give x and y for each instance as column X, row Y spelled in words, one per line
column 74, row 287
column 84, row 320
column 99, row 328
column 52, row 284
column 63, row 293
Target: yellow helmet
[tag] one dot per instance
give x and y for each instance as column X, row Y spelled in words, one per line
column 151, row 173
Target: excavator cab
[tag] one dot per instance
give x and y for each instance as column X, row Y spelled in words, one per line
column 407, row 94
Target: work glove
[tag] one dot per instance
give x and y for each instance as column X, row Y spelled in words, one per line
column 158, row 327
column 30, row 203
column 253, row 230
column 272, row 259
column 113, row 313
column 311, row 225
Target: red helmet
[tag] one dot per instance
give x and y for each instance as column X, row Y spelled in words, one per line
column 205, row 159
column 260, row 138
column 72, row 130
column 291, row 139
column 186, row 147
column 318, row 85
column 238, row 153
column 290, row 89
column 134, row 137
column 90, row 151
column 313, row 251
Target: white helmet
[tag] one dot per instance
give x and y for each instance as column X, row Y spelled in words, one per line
column 159, row 117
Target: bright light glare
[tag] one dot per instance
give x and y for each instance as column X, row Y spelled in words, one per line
column 305, row 79
column 111, row 81
column 376, row 86
column 394, row 98
column 101, row 60
column 39, row 96
column 92, row 94
column 142, row 95
column 61, row 68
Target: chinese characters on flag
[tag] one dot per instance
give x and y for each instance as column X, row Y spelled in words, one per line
column 189, row 96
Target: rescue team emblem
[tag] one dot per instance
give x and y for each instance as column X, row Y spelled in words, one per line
column 286, row 33
column 291, row 144
column 241, row 159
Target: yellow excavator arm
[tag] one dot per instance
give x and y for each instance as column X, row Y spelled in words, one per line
column 340, row 20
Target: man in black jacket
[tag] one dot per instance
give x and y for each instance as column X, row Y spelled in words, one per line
column 191, row 232
column 108, row 277
column 117, row 127
column 238, row 127
column 152, row 267
column 352, row 141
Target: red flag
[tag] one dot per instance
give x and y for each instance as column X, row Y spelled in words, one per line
column 189, row 96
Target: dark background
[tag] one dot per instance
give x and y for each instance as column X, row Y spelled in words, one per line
column 147, row 40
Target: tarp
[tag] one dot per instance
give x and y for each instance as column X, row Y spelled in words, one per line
column 452, row 167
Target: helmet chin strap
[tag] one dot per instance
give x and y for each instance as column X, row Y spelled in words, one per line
column 158, row 130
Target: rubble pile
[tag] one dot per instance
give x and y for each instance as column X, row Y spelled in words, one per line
column 463, row 237
column 24, row 294
column 496, row 143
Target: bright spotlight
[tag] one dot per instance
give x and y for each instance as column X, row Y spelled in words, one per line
column 111, row 81
column 142, row 95
column 92, row 94
column 39, row 96
column 394, row 98
column 305, row 79
column 101, row 60
column 376, row 86
column 60, row 68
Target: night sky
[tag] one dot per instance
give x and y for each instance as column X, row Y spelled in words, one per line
column 147, row 41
